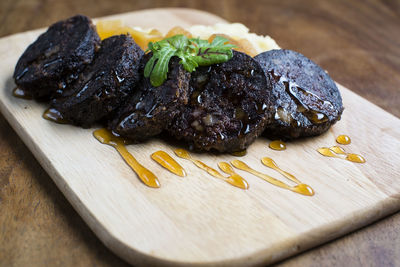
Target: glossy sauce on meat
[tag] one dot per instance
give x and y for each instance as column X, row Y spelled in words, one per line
column 307, row 101
column 56, row 58
column 229, row 106
column 104, row 85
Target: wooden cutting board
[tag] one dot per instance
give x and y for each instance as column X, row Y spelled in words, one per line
column 199, row 219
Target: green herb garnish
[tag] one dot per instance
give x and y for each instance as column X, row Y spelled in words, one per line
column 193, row 52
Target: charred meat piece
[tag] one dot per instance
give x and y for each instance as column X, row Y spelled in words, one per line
column 229, row 106
column 104, row 85
column 307, row 101
column 151, row 109
column 56, row 58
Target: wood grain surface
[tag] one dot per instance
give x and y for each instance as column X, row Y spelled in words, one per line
column 39, row 227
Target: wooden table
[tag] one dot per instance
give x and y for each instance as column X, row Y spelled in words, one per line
column 358, row 43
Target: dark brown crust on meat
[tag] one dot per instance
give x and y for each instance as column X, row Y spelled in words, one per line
column 151, row 109
column 229, row 106
column 56, row 58
column 307, row 99
column 104, row 85
column 223, row 107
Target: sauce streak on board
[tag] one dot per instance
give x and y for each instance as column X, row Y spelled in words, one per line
column 277, row 145
column 235, row 181
column 54, row 115
column 325, row 151
column 330, row 152
column 18, row 92
column 234, row 178
column 303, row 189
column 355, row 158
column 270, row 163
column 338, row 150
column 106, row 137
column 165, row 160
column 343, row 139
column 300, row 188
column 185, row 155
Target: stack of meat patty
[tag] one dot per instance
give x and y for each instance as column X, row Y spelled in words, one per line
column 222, row 107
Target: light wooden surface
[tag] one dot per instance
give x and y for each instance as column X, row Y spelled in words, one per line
column 263, row 224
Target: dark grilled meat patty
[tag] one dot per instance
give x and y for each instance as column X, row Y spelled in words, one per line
column 56, row 58
column 229, row 106
column 104, row 85
column 151, row 109
column 307, row 101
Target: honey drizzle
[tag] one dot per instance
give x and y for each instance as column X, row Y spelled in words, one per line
column 330, row 152
column 165, row 160
column 182, row 153
column 338, row 150
column 106, row 137
column 271, row 164
column 20, row 93
column 277, row 145
column 325, row 151
column 234, row 178
column 54, row 115
column 303, row 189
column 300, row 188
column 355, row 158
column 343, row 139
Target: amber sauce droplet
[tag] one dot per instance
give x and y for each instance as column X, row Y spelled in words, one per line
column 106, row 137
column 165, row 160
column 244, row 167
column 182, row 153
column 335, row 151
column 271, row 164
column 303, row 189
column 343, row 139
column 20, row 93
column 300, row 188
column 234, row 178
column 208, row 169
column 239, row 153
column 54, row 115
column 325, row 151
column 277, row 145
column 355, row 158
column 338, row 150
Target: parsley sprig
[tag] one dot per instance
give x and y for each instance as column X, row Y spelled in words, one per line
column 193, row 52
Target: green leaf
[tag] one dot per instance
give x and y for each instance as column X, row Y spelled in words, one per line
column 160, row 70
column 220, row 41
column 179, row 41
column 192, row 52
column 149, row 67
column 189, row 64
column 209, row 56
column 218, row 51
